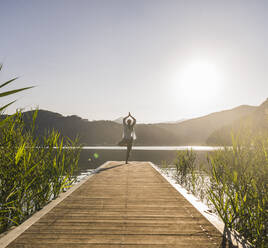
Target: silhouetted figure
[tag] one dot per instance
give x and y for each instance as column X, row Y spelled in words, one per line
column 129, row 134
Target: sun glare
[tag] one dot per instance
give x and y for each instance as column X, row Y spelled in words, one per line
column 199, row 80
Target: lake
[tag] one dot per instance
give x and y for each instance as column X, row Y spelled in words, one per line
column 93, row 156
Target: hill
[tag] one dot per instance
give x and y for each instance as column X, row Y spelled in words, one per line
column 93, row 133
column 89, row 132
column 190, row 132
column 196, row 131
column 257, row 121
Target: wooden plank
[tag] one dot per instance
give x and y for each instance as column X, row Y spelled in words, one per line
column 122, row 206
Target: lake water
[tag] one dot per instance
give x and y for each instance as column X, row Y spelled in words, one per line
column 94, row 156
column 156, row 148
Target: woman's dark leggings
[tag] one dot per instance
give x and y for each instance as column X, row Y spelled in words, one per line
column 129, row 147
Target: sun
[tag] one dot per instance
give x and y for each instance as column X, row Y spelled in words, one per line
column 199, row 79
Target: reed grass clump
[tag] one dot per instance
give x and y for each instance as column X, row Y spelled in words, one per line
column 185, row 165
column 238, row 187
column 188, row 174
column 33, row 171
column 235, row 185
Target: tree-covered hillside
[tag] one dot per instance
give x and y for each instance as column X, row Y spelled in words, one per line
column 196, row 131
column 256, row 122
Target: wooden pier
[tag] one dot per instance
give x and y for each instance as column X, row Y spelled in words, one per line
column 121, row 205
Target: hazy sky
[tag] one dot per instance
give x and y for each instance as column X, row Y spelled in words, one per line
column 161, row 60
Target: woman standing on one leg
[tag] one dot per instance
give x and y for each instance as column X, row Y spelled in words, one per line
column 129, row 133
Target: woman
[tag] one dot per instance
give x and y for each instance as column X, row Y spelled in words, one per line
column 129, row 134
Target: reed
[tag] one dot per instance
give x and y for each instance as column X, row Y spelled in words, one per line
column 33, row 170
column 185, row 165
column 238, row 186
column 235, row 185
column 9, row 92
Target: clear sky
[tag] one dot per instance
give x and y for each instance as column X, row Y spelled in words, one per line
column 163, row 60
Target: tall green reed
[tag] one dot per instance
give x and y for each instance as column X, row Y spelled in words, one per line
column 189, row 174
column 235, row 185
column 185, row 165
column 9, row 92
column 238, row 186
column 32, row 170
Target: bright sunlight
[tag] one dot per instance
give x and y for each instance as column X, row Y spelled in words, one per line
column 199, row 79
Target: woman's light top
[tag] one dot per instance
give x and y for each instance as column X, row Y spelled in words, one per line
column 129, row 132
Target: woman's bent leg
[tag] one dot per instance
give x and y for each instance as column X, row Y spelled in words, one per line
column 122, row 142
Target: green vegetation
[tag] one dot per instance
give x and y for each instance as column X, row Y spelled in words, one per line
column 33, row 171
column 235, row 185
column 188, row 174
column 10, row 92
column 238, row 187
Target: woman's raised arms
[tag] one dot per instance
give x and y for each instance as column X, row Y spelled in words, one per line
column 125, row 118
column 134, row 120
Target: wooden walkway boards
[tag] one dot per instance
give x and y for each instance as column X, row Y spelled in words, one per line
column 122, row 206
